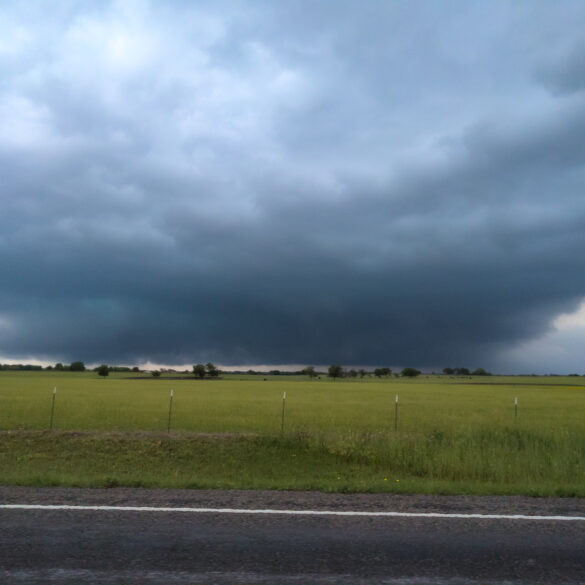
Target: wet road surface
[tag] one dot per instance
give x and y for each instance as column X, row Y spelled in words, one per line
column 148, row 547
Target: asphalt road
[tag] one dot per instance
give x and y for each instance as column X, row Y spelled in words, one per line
column 132, row 547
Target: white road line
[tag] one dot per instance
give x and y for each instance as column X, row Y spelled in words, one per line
column 292, row 512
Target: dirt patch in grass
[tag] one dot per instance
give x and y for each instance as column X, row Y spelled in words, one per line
column 172, row 378
column 136, row 435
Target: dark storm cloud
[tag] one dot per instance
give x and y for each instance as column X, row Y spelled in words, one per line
column 289, row 182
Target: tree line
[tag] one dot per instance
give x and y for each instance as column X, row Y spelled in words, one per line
column 209, row 370
column 336, row 371
column 465, row 372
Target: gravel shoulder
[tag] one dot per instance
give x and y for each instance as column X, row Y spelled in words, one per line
column 282, row 500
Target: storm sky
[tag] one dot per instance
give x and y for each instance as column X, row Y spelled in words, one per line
column 294, row 182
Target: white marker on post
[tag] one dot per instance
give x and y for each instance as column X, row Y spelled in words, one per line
column 283, row 402
column 170, row 410
column 53, row 408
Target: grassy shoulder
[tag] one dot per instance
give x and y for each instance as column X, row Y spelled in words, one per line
column 469, row 461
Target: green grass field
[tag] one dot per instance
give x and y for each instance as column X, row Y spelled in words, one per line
column 454, row 435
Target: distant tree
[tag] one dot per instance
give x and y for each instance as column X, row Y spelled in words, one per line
column 103, row 370
column 212, row 371
column 481, row 372
column 59, row 366
column 410, row 373
column 462, row 371
column 199, row 371
column 379, row 372
column 155, row 373
column 448, row 371
column 335, row 371
column 275, row 372
column 77, row 367
column 362, row 373
column 352, row 373
column 136, row 369
column 310, row 371
column 20, row 367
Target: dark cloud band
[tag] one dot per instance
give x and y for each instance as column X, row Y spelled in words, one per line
column 288, row 191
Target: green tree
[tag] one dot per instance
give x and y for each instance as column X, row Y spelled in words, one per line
column 448, row 371
column 410, row 373
column 77, row 367
column 310, row 371
column 59, row 366
column 212, row 371
column 335, row 371
column 199, row 371
column 362, row 373
column 481, row 372
column 155, row 373
column 103, row 370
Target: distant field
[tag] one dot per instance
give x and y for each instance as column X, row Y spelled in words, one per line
column 454, row 435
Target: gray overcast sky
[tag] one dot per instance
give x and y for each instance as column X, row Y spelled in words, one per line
column 368, row 183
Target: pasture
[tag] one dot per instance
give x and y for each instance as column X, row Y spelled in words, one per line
column 452, row 436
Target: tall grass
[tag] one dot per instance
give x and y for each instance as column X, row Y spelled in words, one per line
column 473, row 461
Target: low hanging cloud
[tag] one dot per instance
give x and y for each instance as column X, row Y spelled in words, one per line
column 562, row 346
column 290, row 182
